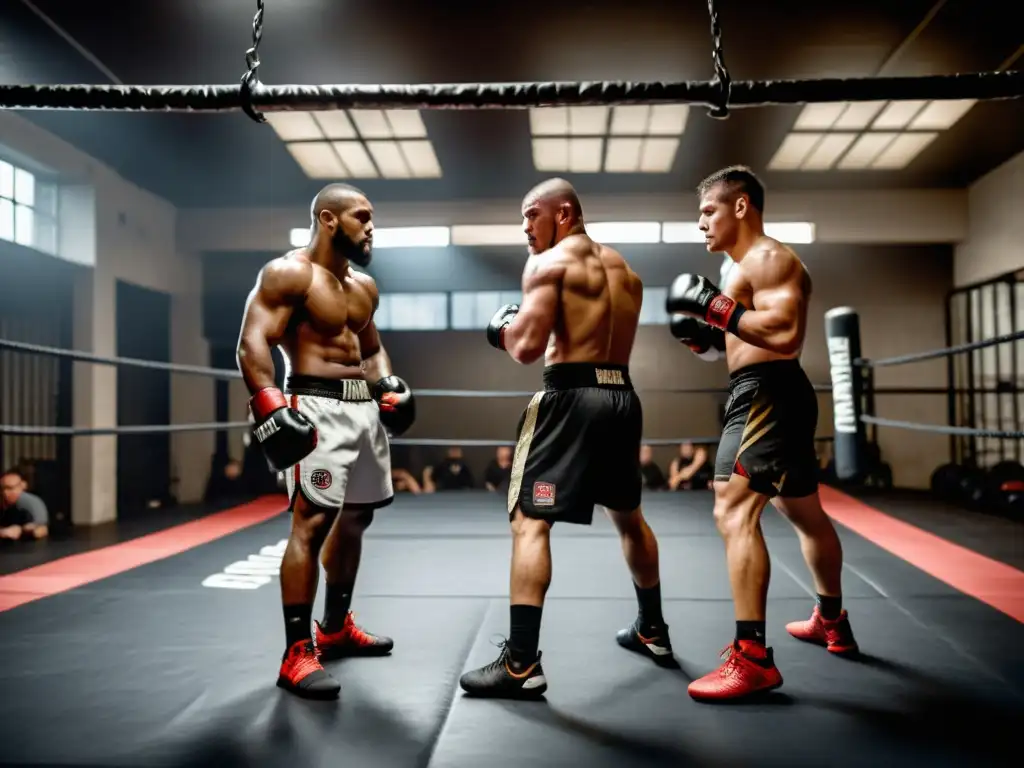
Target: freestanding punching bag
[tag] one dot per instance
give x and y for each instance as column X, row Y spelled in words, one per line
column 842, row 332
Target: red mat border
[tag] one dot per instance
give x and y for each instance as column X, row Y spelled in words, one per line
column 994, row 583
column 74, row 571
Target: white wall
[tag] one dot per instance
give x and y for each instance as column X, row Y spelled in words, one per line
column 854, row 217
column 127, row 234
column 994, row 243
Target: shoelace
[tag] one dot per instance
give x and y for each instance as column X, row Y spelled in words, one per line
column 305, row 661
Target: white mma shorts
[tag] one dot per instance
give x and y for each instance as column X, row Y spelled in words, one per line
column 351, row 463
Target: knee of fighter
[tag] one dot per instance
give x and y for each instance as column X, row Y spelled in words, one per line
column 731, row 518
column 358, row 518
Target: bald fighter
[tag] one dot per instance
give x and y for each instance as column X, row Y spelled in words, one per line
column 759, row 320
column 328, row 432
column 578, row 439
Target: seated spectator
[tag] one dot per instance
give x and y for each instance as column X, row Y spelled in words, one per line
column 499, row 471
column 24, row 515
column 451, row 474
column 652, row 476
column 404, row 482
column 689, row 470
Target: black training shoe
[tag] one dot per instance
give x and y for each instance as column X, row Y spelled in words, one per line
column 655, row 644
column 505, row 678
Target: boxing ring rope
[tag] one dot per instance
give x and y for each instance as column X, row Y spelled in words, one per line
column 719, row 94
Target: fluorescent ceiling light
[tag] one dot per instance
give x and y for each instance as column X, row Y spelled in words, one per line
column 868, row 147
column 488, row 234
column 551, row 155
column 334, row 125
column 585, row 155
column 588, row 121
column 903, row 149
column 630, row 120
column 941, row 115
column 623, row 155
column 668, row 119
column 858, row 115
column 897, row 115
column 411, row 237
column 794, row 148
column 372, row 123
column 567, row 155
column 658, row 155
column 819, row 117
column 406, row 124
column 294, row 126
column 389, row 159
column 421, row 159
column 355, row 157
column 298, row 237
column 827, row 151
column 549, row 121
column 790, row 231
column 318, row 160
column 625, row 231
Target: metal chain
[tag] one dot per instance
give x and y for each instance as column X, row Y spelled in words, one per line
column 722, row 79
column 250, row 80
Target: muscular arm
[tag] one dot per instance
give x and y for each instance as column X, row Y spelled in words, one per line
column 527, row 336
column 780, row 300
column 376, row 363
column 280, row 287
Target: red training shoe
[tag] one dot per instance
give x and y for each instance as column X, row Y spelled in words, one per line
column 350, row 640
column 302, row 674
column 749, row 668
column 835, row 634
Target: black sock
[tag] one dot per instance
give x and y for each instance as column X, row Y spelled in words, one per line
column 750, row 630
column 297, row 620
column 829, row 607
column 336, row 605
column 525, row 632
column 649, row 599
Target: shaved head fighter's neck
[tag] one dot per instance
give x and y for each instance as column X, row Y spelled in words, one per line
column 551, row 213
column 342, row 227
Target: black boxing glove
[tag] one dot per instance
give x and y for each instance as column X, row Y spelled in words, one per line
column 500, row 321
column 697, row 296
column 705, row 342
column 285, row 435
column 396, row 403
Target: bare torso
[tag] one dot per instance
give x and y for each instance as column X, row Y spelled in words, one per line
column 321, row 338
column 599, row 305
column 754, row 273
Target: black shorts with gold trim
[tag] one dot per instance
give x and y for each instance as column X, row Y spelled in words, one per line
column 770, row 420
column 578, row 444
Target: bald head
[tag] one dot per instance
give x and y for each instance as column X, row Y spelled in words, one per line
column 551, row 212
column 555, row 192
column 336, row 199
column 343, row 218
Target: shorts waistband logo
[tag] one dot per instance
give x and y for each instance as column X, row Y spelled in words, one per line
column 610, row 377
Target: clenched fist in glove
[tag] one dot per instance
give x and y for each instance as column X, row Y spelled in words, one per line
column 706, row 342
column 396, row 403
column 496, row 328
column 697, row 296
column 284, row 434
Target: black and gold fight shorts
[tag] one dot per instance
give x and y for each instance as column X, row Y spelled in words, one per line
column 768, row 436
column 578, row 445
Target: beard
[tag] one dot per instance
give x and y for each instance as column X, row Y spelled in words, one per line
column 344, row 246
